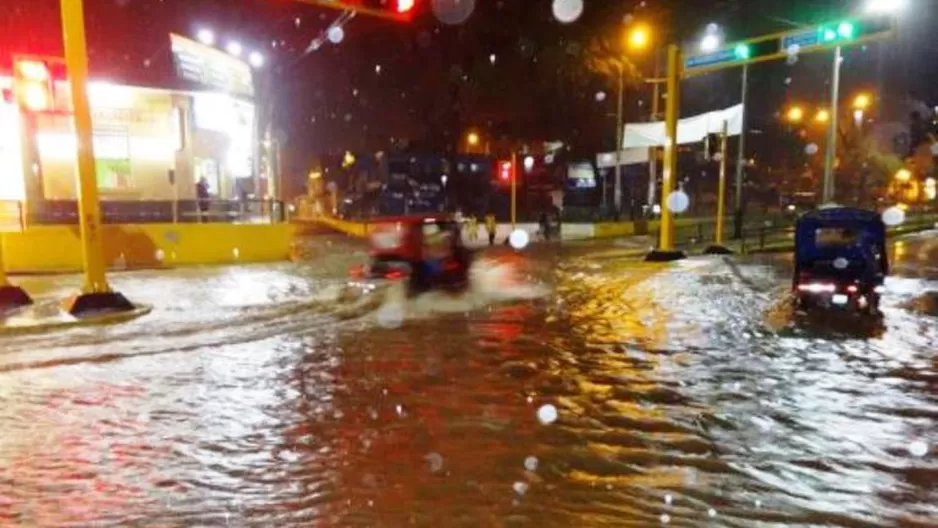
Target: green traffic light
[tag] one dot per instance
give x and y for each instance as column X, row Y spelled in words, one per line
column 845, row 30
column 829, row 34
column 742, row 52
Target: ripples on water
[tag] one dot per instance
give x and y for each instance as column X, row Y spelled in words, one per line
column 684, row 395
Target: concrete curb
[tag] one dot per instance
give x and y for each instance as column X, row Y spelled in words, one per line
column 18, row 322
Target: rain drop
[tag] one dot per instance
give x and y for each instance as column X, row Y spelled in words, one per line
column 567, row 11
column 668, row 499
column 435, row 460
column 600, row 96
column 520, row 487
column 519, row 239
column 530, row 463
column 811, row 149
column 665, row 518
column 711, row 512
column 547, row 414
column 678, row 201
column 893, row 216
column 160, row 255
column 236, row 253
column 335, row 34
column 918, row 449
column 453, row 12
column 390, row 316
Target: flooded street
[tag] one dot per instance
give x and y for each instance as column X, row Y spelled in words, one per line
column 624, row 394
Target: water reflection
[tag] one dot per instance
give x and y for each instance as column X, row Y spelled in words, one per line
column 677, row 398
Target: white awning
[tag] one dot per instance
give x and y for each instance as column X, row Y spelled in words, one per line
column 689, row 130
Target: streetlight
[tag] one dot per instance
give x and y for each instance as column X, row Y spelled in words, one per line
column 234, row 48
column 861, row 101
column 709, row 43
column 884, row 6
column 637, row 39
column 472, row 139
column 256, row 59
column 822, row 116
column 206, row 36
column 795, row 114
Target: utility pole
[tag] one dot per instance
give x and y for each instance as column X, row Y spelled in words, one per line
column 827, row 192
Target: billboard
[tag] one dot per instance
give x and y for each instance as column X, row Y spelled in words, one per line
column 211, row 67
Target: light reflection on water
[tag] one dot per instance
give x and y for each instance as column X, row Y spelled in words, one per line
column 685, row 394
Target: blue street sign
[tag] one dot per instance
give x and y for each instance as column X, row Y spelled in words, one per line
column 718, row 57
column 803, row 39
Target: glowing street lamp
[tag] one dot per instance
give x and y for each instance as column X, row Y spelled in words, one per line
column 822, row 116
column 861, row 101
column 472, row 139
column 885, row 6
column 206, row 36
column 639, row 37
column 795, row 114
column 234, row 48
column 709, row 43
column 256, row 59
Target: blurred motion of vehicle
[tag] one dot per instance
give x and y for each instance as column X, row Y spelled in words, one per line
column 427, row 251
column 840, row 259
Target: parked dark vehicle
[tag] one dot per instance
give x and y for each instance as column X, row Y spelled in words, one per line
column 840, row 260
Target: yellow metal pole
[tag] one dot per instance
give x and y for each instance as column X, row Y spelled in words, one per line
column 89, row 206
column 514, row 189
column 721, row 193
column 669, row 169
column 3, row 273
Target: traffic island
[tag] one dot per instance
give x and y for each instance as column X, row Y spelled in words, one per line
column 48, row 317
column 662, row 255
column 99, row 303
column 717, row 249
column 13, row 297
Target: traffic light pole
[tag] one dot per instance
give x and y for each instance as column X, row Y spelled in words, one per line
column 96, row 295
column 617, row 188
column 741, row 160
column 665, row 251
column 830, row 155
column 514, row 190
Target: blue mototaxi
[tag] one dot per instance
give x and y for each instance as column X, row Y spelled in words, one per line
column 840, row 259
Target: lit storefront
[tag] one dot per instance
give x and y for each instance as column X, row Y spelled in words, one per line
column 140, row 136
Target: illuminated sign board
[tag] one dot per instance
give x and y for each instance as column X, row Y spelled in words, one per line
column 211, row 67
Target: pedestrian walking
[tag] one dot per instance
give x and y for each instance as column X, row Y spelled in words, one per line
column 491, row 226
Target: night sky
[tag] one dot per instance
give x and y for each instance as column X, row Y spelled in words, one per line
column 437, row 80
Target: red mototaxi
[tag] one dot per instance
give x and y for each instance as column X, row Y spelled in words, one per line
column 398, row 252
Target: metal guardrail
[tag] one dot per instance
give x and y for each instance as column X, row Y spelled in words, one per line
column 65, row 212
column 764, row 233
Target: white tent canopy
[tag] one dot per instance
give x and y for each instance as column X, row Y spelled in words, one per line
column 689, row 130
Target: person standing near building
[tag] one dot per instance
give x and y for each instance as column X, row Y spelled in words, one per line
column 473, row 226
column 491, row 226
column 202, row 196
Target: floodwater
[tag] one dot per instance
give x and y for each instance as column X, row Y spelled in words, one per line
column 601, row 391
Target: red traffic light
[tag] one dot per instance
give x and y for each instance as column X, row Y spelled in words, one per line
column 404, row 6
column 504, row 170
column 33, row 85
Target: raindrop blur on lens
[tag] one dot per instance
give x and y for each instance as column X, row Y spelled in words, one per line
column 567, row 11
column 893, row 216
column 678, row 201
column 453, row 12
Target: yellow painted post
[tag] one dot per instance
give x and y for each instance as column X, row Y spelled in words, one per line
column 3, row 273
column 89, row 205
column 514, row 189
column 721, row 193
column 669, row 169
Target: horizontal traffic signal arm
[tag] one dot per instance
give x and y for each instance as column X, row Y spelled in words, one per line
column 764, row 48
column 397, row 10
